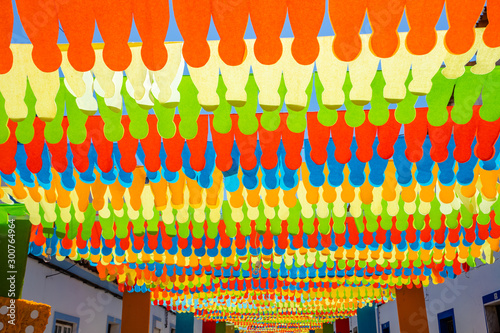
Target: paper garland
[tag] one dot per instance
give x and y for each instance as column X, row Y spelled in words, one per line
column 114, row 21
column 262, row 215
column 274, row 161
column 284, row 86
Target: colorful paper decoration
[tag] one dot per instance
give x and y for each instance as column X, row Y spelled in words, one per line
column 287, row 82
column 331, row 172
column 231, row 19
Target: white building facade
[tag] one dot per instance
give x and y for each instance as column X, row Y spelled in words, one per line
column 468, row 304
column 81, row 303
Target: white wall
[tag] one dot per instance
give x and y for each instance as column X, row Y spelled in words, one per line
column 92, row 305
column 464, row 294
column 353, row 322
column 198, row 326
column 388, row 313
column 72, row 297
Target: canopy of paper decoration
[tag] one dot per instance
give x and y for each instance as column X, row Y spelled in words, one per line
column 275, row 183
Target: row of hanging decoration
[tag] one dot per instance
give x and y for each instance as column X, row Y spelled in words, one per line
column 366, row 249
column 405, row 223
column 293, row 324
column 42, row 22
column 323, row 86
column 399, row 210
column 256, row 326
column 286, row 321
column 368, row 157
column 329, row 172
column 409, row 231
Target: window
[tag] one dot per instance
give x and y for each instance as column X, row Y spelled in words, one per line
column 64, row 327
column 113, row 325
column 446, row 321
column 386, row 328
column 156, row 327
column 492, row 312
column 446, row 325
column 497, row 308
column 113, row 328
column 64, row 323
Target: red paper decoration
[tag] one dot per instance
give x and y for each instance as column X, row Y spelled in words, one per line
column 128, row 148
column 151, row 146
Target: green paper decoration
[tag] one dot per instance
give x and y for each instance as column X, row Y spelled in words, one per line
column 222, row 115
column 438, row 99
column 138, row 115
column 405, row 111
column 326, row 116
column 77, row 132
column 467, row 90
column 355, row 115
column 4, row 129
column 379, row 111
column 248, row 123
column 491, row 96
column 25, row 130
column 53, row 130
column 189, row 108
column 113, row 128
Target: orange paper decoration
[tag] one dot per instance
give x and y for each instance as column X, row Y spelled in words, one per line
column 40, row 22
column 347, row 18
column 152, row 18
column 6, row 26
column 306, row 18
column 193, row 20
column 268, row 18
column 422, row 16
column 491, row 35
column 231, row 18
column 385, row 17
column 78, row 22
column 114, row 19
column 462, row 17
